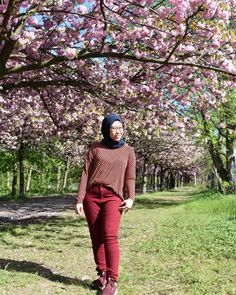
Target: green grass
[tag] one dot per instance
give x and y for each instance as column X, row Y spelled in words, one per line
column 215, row 205
column 179, row 243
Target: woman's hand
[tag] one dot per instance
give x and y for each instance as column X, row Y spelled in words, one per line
column 126, row 205
column 79, row 209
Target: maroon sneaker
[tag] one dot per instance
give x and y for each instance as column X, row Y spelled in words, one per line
column 100, row 283
column 111, row 287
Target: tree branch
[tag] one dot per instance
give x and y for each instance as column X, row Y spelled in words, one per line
column 105, row 24
column 59, row 59
column 5, row 35
column 183, row 37
column 47, row 108
column 38, row 84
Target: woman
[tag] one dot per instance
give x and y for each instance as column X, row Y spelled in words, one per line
column 108, row 177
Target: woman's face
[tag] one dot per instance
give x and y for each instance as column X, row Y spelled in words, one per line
column 116, row 131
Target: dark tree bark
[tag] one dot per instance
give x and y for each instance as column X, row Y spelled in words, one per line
column 144, row 176
column 29, row 179
column 162, row 175
column 22, row 171
column 14, row 180
column 155, row 178
column 171, row 181
column 218, row 147
column 66, row 173
column 58, row 178
column 224, row 170
column 8, row 185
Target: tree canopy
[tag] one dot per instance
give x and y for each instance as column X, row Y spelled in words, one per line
column 65, row 63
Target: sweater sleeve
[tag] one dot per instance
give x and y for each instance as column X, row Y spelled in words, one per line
column 130, row 175
column 85, row 177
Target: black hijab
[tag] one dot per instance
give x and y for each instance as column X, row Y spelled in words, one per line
column 106, row 125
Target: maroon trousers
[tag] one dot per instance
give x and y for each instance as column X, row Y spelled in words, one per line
column 101, row 207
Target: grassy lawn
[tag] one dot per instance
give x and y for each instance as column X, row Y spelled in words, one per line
column 171, row 243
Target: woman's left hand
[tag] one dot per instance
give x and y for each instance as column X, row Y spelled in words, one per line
column 126, row 205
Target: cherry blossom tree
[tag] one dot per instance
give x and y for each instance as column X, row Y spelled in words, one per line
column 163, row 150
column 26, row 124
column 72, row 42
column 217, row 127
column 157, row 55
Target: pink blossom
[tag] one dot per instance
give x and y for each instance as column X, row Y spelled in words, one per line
column 83, row 9
column 70, row 53
column 3, row 8
column 32, row 21
column 229, row 66
column 189, row 48
column 210, row 12
column 164, row 12
column 29, row 35
column 216, row 43
column 14, row 37
column 181, row 28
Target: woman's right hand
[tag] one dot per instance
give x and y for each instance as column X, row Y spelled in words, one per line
column 79, row 209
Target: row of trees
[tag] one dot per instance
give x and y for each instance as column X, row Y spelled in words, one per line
column 167, row 155
column 168, row 67
column 56, row 166
column 43, row 172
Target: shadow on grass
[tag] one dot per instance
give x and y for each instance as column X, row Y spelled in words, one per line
column 35, row 268
column 141, row 203
column 38, row 220
column 207, row 193
column 176, row 197
column 41, row 229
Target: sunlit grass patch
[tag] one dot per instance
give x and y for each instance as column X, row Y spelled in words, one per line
column 180, row 249
column 171, row 244
column 218, row 205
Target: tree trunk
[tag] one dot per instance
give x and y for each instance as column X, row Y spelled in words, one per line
column 229, row 157
column 155, row 178
column 162, row 171
column 29, row 179
column 218, row 162
column 8, row 185
column 223, row 168
column 144, row 176
column 171, row 181
column 195, row 178
column 177, row 180
column 22, row 172
column 58, row 178
column 14, row 180
column 43, row 185
column 223, row 172
column 66, row 173
column 2, row 183
column 166, row 181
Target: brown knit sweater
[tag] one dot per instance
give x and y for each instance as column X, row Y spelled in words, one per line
column 115, row 168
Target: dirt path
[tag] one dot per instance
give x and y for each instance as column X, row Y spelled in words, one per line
column 34, row 208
